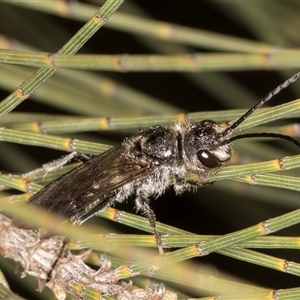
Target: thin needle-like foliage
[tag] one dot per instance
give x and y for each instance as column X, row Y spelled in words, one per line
column 139, row 65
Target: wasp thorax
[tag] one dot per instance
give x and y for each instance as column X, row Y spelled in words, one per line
column 203, row 145
column 159, row 144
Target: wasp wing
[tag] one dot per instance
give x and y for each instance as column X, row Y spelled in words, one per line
column 75, row 191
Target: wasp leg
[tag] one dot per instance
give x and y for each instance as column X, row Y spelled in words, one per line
column 59, row 256
column 142, row 205
column 57, row 163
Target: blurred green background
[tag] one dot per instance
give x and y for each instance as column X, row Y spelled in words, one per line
column 217, row 209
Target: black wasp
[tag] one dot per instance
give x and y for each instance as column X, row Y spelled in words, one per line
column 141, row 166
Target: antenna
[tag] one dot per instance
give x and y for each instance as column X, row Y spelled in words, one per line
column 262, row 134
column 264, row 100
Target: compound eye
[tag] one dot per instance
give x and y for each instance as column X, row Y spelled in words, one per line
column 208, row 159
